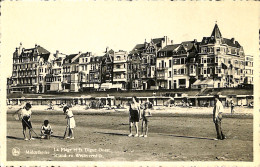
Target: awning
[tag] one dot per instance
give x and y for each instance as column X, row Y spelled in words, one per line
column 196, row 83
column 203, row 82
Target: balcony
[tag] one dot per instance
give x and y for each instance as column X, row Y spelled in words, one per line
column 162, row 68
column 161, row 77
column 119, row 79
column 119, row 70
column 193, row 74
column 119, row 60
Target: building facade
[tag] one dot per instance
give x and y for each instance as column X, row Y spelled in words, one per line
column 29, row 69
column 120, row 69
column 221, row 61
column 215, row 62
column 249, row 69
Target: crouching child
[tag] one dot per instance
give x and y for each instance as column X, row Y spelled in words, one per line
column 46, row 130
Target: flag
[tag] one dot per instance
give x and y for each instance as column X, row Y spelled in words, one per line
column 231, row 66
column 223, row 66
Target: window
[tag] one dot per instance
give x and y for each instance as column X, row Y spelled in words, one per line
column 182, row 60
column 175, row 71
column 204, row 50
column 182, row 82
column 208, row 70
column 170, row 63
column 182, row 71
column 170, row 74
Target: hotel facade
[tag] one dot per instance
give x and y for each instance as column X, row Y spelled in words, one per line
column 213, row 62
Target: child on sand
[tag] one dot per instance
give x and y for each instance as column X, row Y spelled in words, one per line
column 24, row 114
column 145, row 115
column 70, row 121
column 46, row 130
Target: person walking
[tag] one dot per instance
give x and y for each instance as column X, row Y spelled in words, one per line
column 134, row 115
column 217, row 118
column 71, row 124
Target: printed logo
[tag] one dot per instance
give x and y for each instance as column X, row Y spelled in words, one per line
column 16, row 151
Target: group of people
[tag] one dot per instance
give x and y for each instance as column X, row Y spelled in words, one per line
column 137, row 112
column 25, row 115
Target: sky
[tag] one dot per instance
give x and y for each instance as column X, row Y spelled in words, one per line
column 83, row 26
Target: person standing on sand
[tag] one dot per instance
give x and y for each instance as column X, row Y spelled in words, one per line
column 134, row 116
column 25, row 115
column 232, row 106
column 70, row 121
column 144, row 116
column 217, row 118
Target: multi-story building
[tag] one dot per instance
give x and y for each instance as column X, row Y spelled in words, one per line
column 249, row 70
column 164, row 66
column 215, row 62
column 221, row 61
column 120, row 69
column 84, row 69
column 95, row 71
column 70, row 73
column 149, row 55
column 142, row 63
column 134, row 71
column 29, row 69
column 54, row 78
column 107, row 66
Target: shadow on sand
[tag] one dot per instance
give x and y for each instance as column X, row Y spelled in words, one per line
column 117, row 134
column 12, row 137
column 19, row 138
column 189, row 137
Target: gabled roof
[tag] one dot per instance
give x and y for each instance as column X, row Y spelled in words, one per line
column 71, row 56
column 207, row 40
column 43, row 53
column 157, row 40
column 170, row 48
column 216, row 32
column 111, row 51
column 188, row 45
column 139, row 47
column 230, row 42
column 41, row 50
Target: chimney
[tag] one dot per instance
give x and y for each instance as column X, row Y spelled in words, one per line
column 57, row 53
column 171, row 41
column 107, row 49
column 80, row 52
column 36, row 45
column 233, row 40
column 195, row 40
